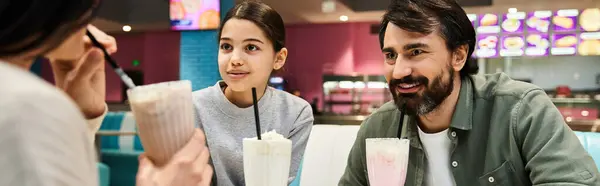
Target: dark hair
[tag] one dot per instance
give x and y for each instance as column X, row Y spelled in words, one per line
column 26, row 25
column 261, row 14
column 425, row 16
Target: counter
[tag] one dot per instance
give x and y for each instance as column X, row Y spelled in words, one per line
column 340, row 119
column 576, row 125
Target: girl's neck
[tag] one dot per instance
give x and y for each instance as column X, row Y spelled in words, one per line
column 243, row 99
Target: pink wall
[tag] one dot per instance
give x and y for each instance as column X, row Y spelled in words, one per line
column 158, row 53
column 317, row 49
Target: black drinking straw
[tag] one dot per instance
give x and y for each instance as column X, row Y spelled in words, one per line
column 124, row 77
column 401, row 123
column 255, row 102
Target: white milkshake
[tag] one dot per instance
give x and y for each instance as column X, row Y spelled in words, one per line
column 165, row 117
column 267, row 161
column 387, row 161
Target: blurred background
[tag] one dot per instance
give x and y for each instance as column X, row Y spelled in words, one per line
column 335, row 62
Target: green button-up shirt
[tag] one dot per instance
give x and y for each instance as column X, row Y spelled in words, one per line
column 503, row 132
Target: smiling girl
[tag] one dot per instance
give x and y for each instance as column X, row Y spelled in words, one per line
column 251, row 47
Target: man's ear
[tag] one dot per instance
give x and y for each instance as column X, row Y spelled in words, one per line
column 459, row 57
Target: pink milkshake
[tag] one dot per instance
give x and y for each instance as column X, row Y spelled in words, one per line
column 165, row 117
column 387, row 161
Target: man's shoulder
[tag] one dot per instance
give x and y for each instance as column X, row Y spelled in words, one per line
column 492, row 86
column 387, row 108
column 381, row 119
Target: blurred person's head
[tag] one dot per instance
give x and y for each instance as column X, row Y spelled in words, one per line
column 296, row 93
column 251, row 46
column 51, row 29
column 426, row 45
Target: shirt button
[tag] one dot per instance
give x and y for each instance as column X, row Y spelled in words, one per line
column 454, row 164
column 491, row 179
column 453, row 134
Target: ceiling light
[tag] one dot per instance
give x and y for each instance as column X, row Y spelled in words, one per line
column 328, row 6
column 344, row 18
column 126, row 28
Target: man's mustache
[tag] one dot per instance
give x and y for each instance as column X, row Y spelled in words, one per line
column 409, row 80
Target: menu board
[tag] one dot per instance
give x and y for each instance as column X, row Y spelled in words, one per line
column 565, row 20
column 538, row 21
column 487, row 46
column 488, row 24
column 538, row 33
column 589, row 20
column 472, row 18
column 513, row 22
column 512, row 45
column 564, row 44
column 537, row 44
column 194, row 14
column 589, row 44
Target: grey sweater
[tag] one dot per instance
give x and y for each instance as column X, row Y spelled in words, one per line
column 226, row 125
column 44, row 140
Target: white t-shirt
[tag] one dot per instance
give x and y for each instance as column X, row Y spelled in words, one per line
column 44, row 139
column 437, row 148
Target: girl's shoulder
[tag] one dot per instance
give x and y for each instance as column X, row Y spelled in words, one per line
column 205, row 95
column 288, row 100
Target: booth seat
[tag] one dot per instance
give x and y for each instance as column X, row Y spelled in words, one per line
column 323, row 164
column 591, row 143
column 120, row 153
column 103, row 174
column 328, row 147
column 326, row 155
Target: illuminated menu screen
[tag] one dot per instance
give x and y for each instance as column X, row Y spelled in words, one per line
column 589, row 44
column 589, row 20
column 538, row 21
column 488, row 24
column 487, row 46
column 565, row 20
column 512, row 45
column 513, row 22
column 472, row 18
column 537, row 44
column 564, row 44
column 538, row 33
column 194, row 14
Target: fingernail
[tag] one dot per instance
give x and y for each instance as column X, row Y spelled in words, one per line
column 95, row 54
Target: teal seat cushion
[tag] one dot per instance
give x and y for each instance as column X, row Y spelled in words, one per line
column 296, row 181
column 123, row 165
column 120, row 121
column 103, row 174
column 120, row 153
column 112, row 121
column 591, row 143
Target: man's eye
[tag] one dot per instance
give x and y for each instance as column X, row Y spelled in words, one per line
column 416, row 52
column 391, row 55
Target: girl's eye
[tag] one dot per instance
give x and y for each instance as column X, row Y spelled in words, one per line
column 226, row 46
column 252, row 48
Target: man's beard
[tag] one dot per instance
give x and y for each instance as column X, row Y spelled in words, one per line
column 431, row 97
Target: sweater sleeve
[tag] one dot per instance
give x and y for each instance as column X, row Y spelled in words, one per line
column 95, row 124
column 299, row 136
